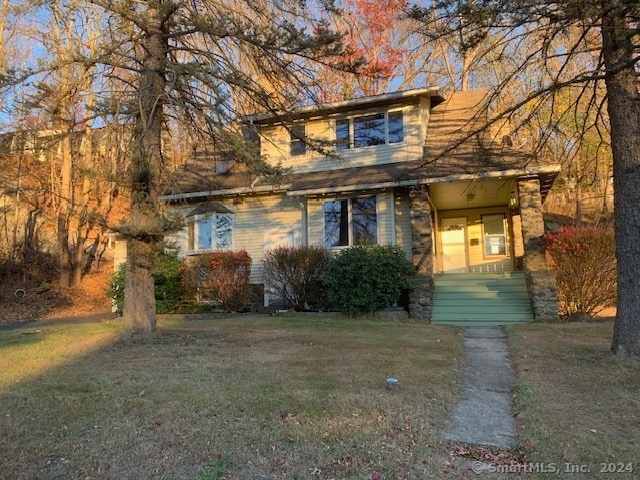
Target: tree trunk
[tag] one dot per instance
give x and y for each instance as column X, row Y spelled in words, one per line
column 65, row 207
column 16, row 213
column 144, row 230
column 82, row 232
column 624, row 113
column 64, row 277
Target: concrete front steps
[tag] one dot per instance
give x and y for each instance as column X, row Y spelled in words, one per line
column 481, row 299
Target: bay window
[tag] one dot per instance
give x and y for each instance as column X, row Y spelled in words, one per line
column 210, row 232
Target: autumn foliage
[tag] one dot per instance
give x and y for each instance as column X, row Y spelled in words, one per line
column 373, row 40
column 374, row 51
column 220, row 277
column 585, row 260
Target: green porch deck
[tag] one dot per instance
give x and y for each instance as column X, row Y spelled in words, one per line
column 481, row 299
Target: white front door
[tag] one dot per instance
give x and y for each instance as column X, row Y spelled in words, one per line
column 454, row 245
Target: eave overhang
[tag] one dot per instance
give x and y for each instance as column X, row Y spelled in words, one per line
column 229, row 192
column 385, row 99
column 546, row 174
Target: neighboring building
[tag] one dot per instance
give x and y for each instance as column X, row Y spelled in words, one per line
column 402, row 168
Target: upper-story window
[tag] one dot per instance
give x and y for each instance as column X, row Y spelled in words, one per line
column 382, row 128
column 350, row 221
column 297, row 144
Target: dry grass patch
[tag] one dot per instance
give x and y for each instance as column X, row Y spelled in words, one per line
column 578, row 403
column 244, row 398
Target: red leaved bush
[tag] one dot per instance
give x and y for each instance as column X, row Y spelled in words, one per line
column 220, row 277
column 585, row 258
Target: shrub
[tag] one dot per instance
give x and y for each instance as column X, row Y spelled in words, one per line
column 167, row 272
column 116, row 287
column 585, row 259
column 295, row 273
column 219, row 277
column 366, row 278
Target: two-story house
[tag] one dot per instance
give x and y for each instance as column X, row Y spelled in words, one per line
column 405, row 168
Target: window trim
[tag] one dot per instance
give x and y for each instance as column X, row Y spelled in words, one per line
column 350, row 231
column 193, row 230
column 342, row 144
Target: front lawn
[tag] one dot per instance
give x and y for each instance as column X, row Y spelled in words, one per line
column 579, row 405
column 242, row 398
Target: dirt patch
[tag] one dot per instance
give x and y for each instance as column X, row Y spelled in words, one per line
column 26, row 296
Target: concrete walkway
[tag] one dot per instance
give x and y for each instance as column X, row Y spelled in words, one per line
column 483, row 414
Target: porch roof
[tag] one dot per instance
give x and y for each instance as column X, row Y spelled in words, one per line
column 407, row 174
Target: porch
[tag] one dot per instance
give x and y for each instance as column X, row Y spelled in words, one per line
column 476, row 245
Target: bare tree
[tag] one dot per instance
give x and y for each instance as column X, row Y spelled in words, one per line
column 577, row 45
column 179, row 60
column 63, row 95
column 197, row 64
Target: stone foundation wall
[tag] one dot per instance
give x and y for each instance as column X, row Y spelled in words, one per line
column 420, row 298
column 543, row 291
column 541, row 280
column 422, row 256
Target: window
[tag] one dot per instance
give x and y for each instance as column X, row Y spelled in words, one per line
column 297, row 145
column 350, row 221
column 396, row 127
column 343, row 139
column 211, row 232
column 370, row 130
column 495, row 241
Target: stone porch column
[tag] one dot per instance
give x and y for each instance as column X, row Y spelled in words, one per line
column 541, row 280
column 422, row 256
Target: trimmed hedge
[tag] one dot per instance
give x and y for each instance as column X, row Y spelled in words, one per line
column 366, row 278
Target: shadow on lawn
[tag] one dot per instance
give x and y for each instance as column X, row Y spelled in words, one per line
column 269, row 396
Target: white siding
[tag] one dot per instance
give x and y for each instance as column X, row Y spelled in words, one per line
column 253, row 218
column 386, row 230
column 179, row 239
column 315, row 221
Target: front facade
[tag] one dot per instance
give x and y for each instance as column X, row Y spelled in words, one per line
column 402, row 169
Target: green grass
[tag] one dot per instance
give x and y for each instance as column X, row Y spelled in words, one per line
column 577, row 403
column 252, row 397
